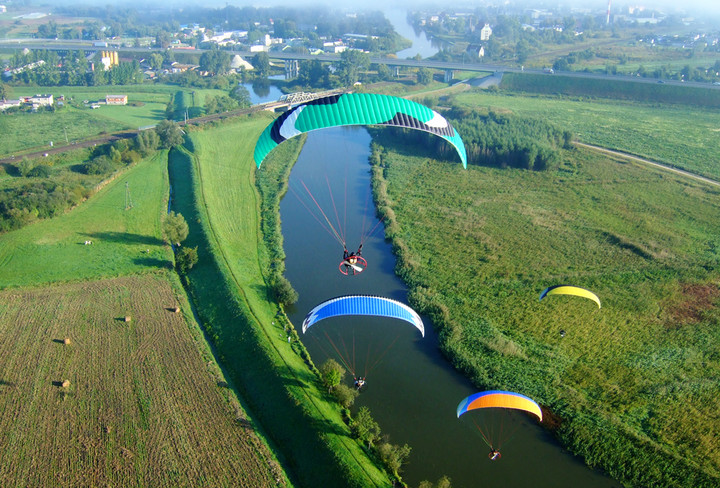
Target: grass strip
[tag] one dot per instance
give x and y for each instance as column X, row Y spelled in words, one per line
column 228, row 287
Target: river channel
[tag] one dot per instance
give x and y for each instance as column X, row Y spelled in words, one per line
column 412, row 391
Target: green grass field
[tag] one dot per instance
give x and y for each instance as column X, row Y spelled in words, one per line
column 681, row 136
column 124, row 241
column 146, row 106
column 633, row 380
column 229, row 285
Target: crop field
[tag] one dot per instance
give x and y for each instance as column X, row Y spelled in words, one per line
column 635, row 380
column 123, row 241
column 681, row 136
column 137, row 403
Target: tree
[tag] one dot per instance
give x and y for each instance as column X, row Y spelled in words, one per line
column 169, row 134
column 424, row 76
column 261, row 63
column 393, row 456
column 5, row 91
column 443, row 482
column 345, row 395
column 175, row 228
column 332, row 373
column 352, row 62
column 364, row 427
column 185, row 259
column 384, row 72
column 282, row 291
column 25, row 166
column 156, row 61
column 241, row 95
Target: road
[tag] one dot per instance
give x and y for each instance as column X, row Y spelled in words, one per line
column 67, row 45
column 663, row 167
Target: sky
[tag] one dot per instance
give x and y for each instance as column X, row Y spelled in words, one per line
column 697, row 8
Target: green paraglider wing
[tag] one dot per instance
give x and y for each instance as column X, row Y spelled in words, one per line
column 356, row 109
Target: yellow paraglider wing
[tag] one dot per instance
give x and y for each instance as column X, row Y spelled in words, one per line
column 570, row 290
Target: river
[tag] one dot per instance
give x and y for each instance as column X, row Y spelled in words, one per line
column 420, row 43
column 413, row 391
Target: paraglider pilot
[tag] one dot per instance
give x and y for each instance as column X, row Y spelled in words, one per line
column 359, row 382
column 494, row 454
column 350, row 259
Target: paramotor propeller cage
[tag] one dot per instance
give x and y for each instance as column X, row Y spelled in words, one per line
column 353, row 265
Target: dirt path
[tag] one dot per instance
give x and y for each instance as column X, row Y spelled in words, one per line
column 651, row 163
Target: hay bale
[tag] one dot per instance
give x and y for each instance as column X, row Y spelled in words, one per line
column 176, row 309
column 66, row 341
column 66, row 383
column 127, row 318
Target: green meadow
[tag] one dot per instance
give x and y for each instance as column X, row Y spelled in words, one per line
column 631, row 387
column 124, row 240
column 679, row 135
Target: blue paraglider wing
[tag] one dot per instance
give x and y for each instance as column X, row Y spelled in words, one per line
column 363, row 305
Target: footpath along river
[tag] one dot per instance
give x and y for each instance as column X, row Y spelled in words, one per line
column 412, row 390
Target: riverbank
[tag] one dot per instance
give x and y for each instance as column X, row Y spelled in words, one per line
column 213, row 183
column 618, row 383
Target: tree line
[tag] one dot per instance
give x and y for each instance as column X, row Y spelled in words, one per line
column 506, row 140
column 73, row 69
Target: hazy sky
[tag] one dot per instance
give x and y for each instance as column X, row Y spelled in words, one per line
column 697, row 8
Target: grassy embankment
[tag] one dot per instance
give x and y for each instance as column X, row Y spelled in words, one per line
column 631, row 387
column 146, row 404
column 214, row 187
column 678, row 135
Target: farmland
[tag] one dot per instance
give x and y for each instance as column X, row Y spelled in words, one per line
column 629, row 381
column 144, row 403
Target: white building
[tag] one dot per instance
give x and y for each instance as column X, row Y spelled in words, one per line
column 485, row 32
column 9, row 103
column 40, row 100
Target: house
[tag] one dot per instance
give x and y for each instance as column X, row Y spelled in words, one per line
column 485, row 32
column 4, row 104
column 40, row 100
column 116, row 99
column 181, row 68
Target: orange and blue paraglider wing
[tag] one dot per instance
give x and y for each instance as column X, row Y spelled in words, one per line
column 499, row 399
column 570, row 290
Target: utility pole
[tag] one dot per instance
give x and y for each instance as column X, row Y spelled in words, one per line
column 128, row 200
column 66, row 138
